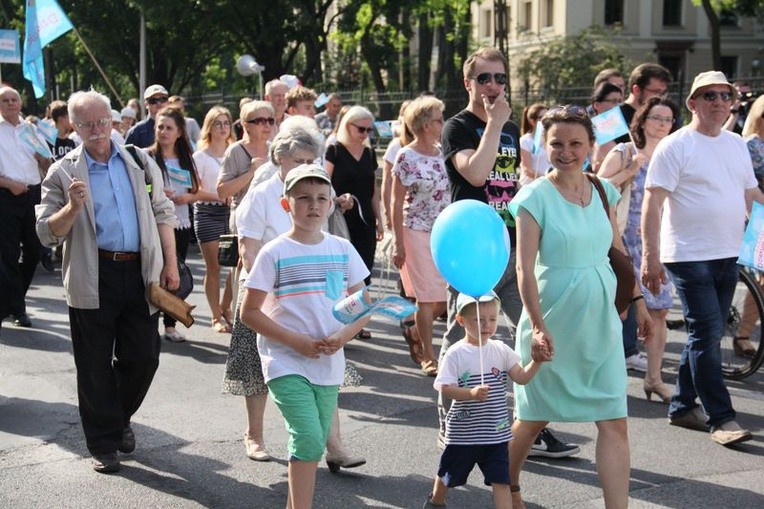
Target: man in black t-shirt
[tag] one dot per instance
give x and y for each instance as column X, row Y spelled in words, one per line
column 482, row 152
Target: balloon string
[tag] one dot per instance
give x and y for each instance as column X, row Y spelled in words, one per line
column 480, row 342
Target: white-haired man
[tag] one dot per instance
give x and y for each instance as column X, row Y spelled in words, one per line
column 117, row 235
column 20, row 175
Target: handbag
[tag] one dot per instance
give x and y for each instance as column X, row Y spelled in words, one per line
column 228, row 250
column 171, row 304
column 186, row 285
column 622, row 264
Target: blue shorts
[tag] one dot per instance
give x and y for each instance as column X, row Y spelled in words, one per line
column 457, row 462
column 307, row 411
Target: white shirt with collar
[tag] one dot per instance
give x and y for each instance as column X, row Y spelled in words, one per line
column 17, row 161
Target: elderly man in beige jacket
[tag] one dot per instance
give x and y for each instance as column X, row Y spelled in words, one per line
column 116, row 226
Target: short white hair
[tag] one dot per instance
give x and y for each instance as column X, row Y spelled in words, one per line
column 79, row 100
column 5, row 89
column 297, row 133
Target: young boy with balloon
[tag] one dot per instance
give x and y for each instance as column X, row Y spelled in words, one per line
column 474, row 373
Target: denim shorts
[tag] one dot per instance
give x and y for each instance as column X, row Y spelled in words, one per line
column 457, row 462
column 307, row 409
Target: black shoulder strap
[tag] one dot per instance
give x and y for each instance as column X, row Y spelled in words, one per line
column 133, row 150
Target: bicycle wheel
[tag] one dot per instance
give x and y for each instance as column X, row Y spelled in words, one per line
column 745, row 320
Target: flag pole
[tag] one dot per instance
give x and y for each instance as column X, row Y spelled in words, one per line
column 98, row 66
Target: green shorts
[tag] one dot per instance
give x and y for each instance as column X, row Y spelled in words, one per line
column 307, row 411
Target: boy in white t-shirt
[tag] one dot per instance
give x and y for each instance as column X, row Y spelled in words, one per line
column 478, row 425
column 291, row 291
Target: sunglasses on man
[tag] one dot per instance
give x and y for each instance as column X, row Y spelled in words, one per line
column 711, row 96
column 157, row 100
column 485, row 77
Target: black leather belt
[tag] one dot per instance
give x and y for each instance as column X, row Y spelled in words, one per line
column 117, row 256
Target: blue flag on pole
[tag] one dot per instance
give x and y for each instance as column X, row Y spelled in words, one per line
column 45, row 22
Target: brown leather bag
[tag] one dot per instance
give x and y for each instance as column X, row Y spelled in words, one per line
column 171, row 304
column 622, row 264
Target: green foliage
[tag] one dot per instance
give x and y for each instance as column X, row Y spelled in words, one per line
column 564, row 62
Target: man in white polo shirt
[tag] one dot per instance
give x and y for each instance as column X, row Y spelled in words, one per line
column 700, row 183
column 20, row 176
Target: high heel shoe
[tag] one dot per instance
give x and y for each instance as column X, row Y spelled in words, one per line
column 334, row 462
column 748, row 350
column 661, row 390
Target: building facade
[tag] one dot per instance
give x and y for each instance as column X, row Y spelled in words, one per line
column 674, row 33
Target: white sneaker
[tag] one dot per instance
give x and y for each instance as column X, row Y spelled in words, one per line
column 637, row 362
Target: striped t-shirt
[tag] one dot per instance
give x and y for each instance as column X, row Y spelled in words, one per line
column 473, row 422
column 304, row 282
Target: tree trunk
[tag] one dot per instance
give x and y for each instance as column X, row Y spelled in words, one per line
column 426, row 34
column 716, row 46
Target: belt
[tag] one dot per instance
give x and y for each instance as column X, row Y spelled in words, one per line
column 117, row 256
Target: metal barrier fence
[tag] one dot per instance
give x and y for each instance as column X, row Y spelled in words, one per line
column 386, row 105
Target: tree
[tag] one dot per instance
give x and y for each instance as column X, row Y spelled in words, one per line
column 565, row 62
column 713, row 8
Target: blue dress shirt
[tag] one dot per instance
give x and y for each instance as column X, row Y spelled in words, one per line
column 113, row 204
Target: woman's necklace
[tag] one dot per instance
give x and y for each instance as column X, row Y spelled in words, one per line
column 575, row 195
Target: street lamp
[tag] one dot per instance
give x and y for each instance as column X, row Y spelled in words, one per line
column 247, row 66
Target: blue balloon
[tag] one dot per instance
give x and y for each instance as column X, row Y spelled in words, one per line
column 470, row 246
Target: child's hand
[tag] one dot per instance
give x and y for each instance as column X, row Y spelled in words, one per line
column 310, row 348
column 331, row 345
column 479, row 393
column 542, row 345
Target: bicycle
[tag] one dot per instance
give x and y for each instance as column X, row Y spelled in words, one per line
column 745, row 320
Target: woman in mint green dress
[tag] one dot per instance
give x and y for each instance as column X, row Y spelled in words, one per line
column 569, row 316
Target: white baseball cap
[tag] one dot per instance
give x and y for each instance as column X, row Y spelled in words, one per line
column 153, row 90
column 128, row 112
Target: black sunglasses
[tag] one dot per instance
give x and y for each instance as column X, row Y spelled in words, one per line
column 363, row 130
column 157, row 100
column 711, row 96
column 485, row 77
column 261, row 121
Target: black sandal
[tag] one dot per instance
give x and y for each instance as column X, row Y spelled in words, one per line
column 748, row 353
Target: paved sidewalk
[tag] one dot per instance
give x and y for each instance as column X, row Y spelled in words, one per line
column 190, row 451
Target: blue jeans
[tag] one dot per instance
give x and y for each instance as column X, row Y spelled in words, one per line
column 705, row 289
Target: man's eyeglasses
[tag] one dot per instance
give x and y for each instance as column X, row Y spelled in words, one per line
column 89, row 126
column 363, row 130
column 485, row 77
column 658, row 92
column 711, row 96
column 219, row 125
column 157, row 100
column 261, row 121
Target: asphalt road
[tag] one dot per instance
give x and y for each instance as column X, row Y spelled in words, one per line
column 190, row 451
